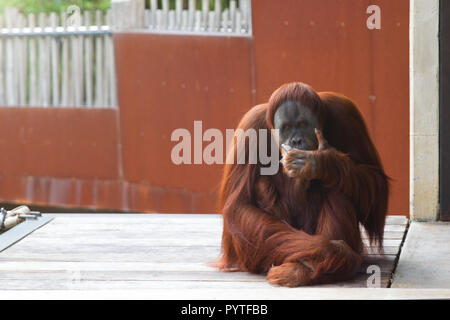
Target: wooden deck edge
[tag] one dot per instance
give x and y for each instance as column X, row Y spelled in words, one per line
column 275, row 293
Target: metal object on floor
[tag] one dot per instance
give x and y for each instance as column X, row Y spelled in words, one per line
column 18, row 223
column 9, row 219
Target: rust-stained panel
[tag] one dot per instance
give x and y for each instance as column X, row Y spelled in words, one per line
column 45, row 151
column 167, row 82
column 121, row 159
column 59, row 142
column 328, row 45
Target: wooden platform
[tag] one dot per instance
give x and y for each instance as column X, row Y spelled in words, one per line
column 153, row 251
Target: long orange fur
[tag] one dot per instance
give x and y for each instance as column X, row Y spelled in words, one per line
column 305, row 233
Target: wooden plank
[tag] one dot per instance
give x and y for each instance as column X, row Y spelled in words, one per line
column 393, row 235
column 136, row 251
column 152, row 231
column 77, row 284
column 173, row 240
column 390, row 220
column 67, row 252
column 49, row 266
column 201, row 254
column 158, row 271
column 147, row 275
column 125, row 275
column 398, row 220
column 106, row 266
column 154, row 227
column 269, row 293
column 393, row 227
column 388, row 250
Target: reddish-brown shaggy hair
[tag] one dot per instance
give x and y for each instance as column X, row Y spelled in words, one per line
column 295, row 91
column 305, row 233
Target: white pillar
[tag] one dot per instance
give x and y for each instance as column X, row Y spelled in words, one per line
column 424, row 109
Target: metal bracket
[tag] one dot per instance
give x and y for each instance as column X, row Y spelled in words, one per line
column 23, row 229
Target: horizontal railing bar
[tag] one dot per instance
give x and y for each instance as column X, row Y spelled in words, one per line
column 189, row 33
column 58, row 31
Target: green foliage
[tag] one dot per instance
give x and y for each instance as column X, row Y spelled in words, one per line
column 36, row 6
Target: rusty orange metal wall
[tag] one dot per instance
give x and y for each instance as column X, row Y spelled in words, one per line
column 58, row 156
column 328, row 45
column 167, row 82
column 120, row 159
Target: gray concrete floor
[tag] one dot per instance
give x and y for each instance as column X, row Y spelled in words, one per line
column 425, row 257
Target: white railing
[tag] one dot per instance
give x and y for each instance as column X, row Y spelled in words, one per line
column 67, row 60
column 62, row 60
column 186, row 17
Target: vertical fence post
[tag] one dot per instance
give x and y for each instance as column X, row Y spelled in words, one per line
column 153, row 9
column 165, row 14
column 205, row 10
column 105, row 67
column 128, row 14
column 11, row 88
column 75, row 59
column 111, row 66
column 98, row 63
column 2, row 74
column 178, row 14
column 66, row 97
column 245, row 10
column 191, row 11
column 88, row 58
column 33, row 96
column 232, row 15
column 44, row 64
column 218, row 14
column 21, row 53
column 55, row 61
